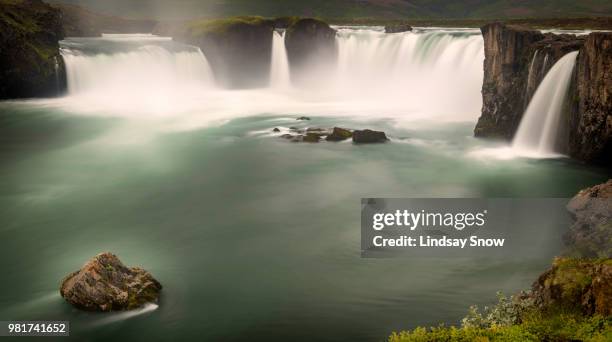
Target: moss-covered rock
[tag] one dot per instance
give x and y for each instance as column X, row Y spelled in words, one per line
column 30, row 62
column 581, row 284
column 239, row 49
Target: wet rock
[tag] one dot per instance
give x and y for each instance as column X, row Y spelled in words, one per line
column 591, row 233
column 302, row 118
column 287, row 136
column 368, row 136
column 580, row 284
column 311, row 137
column 105, row 284
column 276, row 130
column 396, row 28
column 339, row 134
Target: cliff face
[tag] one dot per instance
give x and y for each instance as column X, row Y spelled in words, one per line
column 29, row 50
column 309, row 41
column 507, row 57
column 239, row 49
column 590, row 118
column 516, row 61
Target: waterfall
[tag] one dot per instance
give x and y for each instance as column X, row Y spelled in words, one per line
column 541, row 123
column 133, row 71
column 279, row 67
column 425, row 71
column 431, row 74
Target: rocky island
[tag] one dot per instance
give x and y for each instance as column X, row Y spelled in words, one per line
column 104, row 283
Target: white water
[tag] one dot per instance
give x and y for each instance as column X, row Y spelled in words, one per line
column 538, row 131
column 429, row 74
column 279, row 68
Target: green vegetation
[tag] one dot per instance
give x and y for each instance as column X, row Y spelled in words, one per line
column 504, row 323
column 201, row 27
column 562, row 327
column 559, row 308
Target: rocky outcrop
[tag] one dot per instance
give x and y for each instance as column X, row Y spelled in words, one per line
column 397, row 28
column 316, row 134
column 576, row 284
column 238, row 48
column 369, row 137
column 30, row 62
column 309, row 41
column 516, row 61
column 339, row 134
column 105, row 284
column 591, row 233
column 590, row 117
column 79, row 22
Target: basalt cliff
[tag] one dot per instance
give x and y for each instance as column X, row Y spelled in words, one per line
column 516, row 62
column 31, row 65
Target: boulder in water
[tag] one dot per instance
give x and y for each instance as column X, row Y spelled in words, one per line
column 302, row 118
column 368, row 136
column 339, row 134
column 105, row 284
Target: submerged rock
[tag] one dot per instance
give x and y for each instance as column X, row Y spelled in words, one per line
column 591, row 233
column 580, row 284
column 339, row 134
column 105, row 284
column 368, row 136
column 276, row 130
column 396, row 28
column 302, row 118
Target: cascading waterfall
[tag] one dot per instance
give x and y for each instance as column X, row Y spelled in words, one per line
column 434, row 74
column 133, row 71
column 279, row 67
column 541, row 123
column 425, row 71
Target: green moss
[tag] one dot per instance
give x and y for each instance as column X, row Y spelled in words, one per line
column 202, row 27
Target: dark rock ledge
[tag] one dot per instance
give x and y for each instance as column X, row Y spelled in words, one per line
column 315, row 134
column 105, row 284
